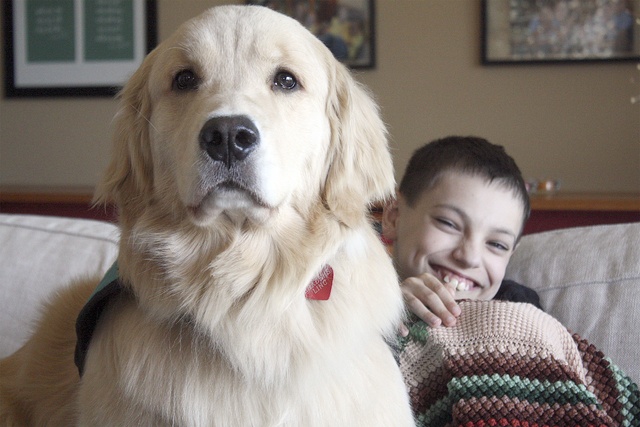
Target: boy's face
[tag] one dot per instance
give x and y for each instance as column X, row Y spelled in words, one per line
column 462, row 229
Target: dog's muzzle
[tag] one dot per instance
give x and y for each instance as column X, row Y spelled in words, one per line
column 229, row 139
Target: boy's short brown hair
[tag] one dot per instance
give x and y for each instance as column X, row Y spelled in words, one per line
column 465, row 154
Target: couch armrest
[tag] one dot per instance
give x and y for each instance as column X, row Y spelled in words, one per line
column 40, row 254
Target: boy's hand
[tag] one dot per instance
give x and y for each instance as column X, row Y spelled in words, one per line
column 431, row 300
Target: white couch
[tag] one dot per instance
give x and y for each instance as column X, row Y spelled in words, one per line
column 588, row 278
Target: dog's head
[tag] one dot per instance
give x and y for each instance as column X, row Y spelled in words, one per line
column 240, row 113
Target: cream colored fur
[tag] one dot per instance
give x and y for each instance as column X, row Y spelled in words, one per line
column 218, row 331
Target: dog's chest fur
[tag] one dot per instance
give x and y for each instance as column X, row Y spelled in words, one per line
column 249, row 340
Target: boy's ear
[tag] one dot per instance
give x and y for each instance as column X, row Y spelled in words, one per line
column 389, row 218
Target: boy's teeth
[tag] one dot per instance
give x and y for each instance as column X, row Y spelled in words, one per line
column 459, row 285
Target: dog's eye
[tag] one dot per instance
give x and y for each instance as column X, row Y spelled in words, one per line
column 285, row 80
column 185, row 80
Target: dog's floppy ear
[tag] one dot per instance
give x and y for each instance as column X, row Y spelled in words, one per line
column 128, row 179
column 360, row 166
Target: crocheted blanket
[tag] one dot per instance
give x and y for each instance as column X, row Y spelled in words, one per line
column 511, row 364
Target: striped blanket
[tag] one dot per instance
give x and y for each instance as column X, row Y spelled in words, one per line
column 511, row 364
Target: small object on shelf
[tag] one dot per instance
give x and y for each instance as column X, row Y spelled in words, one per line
column 548, row 185
column 542, row 186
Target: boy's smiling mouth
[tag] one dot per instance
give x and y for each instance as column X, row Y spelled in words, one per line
column 460, row 283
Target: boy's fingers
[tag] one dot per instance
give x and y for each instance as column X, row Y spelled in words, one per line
column 403, row 330
column 430, row 300
column 452, row 289
column 453, row 306
column 419, row 309
column 445, row 291
column 430, row 309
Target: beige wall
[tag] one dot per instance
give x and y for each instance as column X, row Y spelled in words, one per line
column 572, row 122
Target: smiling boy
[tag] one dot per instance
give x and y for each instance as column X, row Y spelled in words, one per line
column 459, row 214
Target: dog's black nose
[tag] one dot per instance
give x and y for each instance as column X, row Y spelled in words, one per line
column 229, row 138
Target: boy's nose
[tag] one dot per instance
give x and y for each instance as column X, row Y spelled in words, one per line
column 467, row 254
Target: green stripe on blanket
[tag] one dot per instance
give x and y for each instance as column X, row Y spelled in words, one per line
column 522, row 389
column 629, row 396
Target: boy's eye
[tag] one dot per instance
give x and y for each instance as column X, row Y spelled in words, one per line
column 446, row 222
column 499, row 246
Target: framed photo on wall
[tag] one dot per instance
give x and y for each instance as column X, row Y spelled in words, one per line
column 346, row 27
column 74, row 47
column 540, row 31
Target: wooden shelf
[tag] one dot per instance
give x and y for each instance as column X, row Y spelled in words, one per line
column 549, row 211
column 11, row 194
column 74, row 202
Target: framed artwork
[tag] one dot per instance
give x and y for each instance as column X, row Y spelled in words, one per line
column 542, row 31
column 346, row 27
column 74, row 47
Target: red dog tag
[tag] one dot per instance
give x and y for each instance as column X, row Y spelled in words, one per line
column 320, row 288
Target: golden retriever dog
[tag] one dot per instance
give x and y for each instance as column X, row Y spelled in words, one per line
column 251, row 288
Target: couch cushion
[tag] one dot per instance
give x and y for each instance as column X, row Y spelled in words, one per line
column 40, row 254
column 589, row 279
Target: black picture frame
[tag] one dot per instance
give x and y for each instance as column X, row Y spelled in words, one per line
column 346, row 27
column 143, row 22
column 559, row 31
